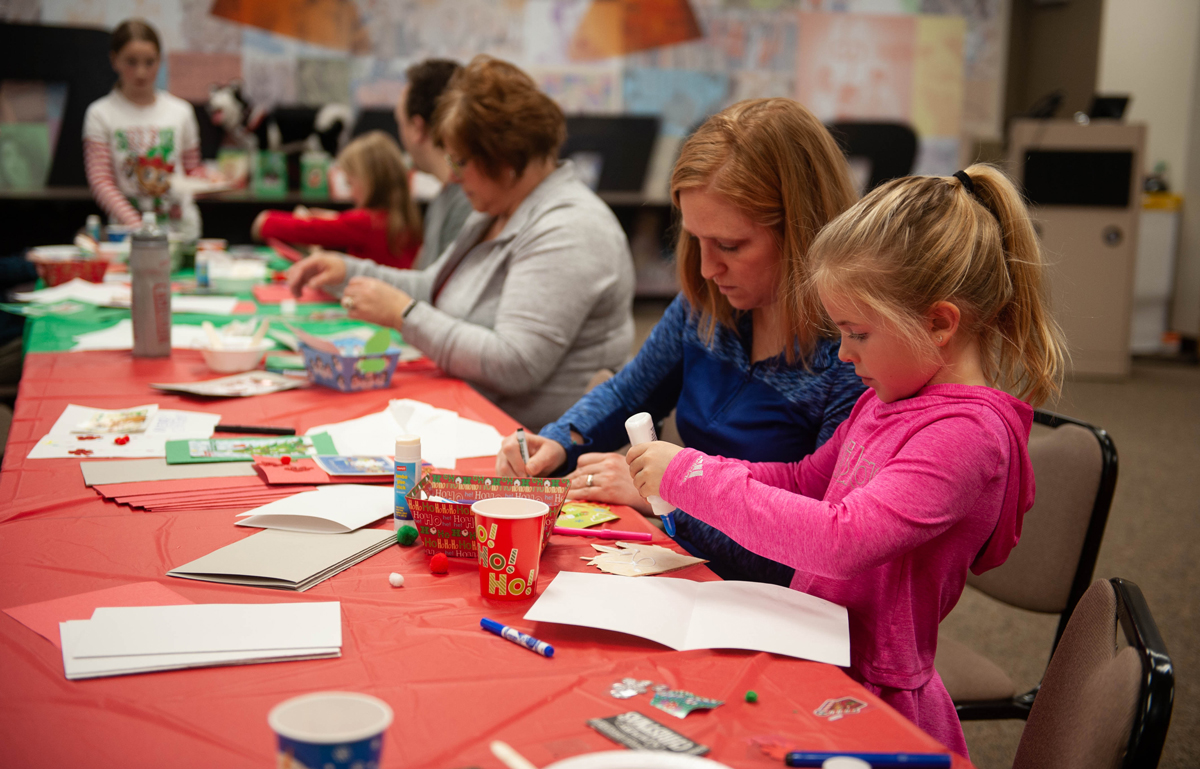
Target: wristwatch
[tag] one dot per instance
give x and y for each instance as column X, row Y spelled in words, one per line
column 408, row 309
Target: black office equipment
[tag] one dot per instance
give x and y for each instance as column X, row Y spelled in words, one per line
column 623, row 142
column 1078, row 177
column 1112, row 107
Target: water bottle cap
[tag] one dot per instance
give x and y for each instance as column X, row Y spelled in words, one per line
column 149, row 219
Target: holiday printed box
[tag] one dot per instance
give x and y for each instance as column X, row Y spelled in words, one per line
column 441, row 507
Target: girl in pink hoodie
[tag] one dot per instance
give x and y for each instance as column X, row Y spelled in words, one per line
column 935, row 284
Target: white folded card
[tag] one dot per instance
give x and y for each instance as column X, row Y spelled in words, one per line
column 195, row 628
column 688, row 615
column 95, row 667
column 334, row 509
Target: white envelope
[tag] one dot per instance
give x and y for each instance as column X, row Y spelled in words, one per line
column 77, row 668
column 333, row 509
column 195, row 628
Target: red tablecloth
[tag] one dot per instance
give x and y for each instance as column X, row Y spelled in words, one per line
column 453, row 687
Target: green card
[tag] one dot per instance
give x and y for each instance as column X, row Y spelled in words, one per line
column 580, row 515
column 245, row 449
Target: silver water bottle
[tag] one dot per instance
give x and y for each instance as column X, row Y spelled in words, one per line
column 150, row 272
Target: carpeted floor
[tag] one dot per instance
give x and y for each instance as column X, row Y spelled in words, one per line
column 1152, row 538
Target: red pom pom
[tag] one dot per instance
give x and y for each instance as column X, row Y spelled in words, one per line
column 439, row 564
column 285, row 460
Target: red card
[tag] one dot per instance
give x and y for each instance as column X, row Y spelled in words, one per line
column 43, row 617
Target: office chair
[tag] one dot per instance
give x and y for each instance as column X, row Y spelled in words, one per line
column 1075, row 467
column 1107, row 695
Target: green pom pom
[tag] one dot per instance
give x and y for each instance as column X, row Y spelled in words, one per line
column 406, row 535
column 751, row 696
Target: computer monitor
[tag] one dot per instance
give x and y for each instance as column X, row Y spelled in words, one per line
column 619, row 144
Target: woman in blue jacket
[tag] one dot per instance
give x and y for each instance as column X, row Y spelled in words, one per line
column 750, row 374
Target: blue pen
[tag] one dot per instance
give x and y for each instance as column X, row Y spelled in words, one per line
column 909, row 760
column 519, row 638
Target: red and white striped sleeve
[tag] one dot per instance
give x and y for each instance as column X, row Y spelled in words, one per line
column 98, row 163
column 193, row 164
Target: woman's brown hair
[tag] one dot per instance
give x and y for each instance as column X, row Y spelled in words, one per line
column 375, row 159
column 130, row 30
column 494, row 114
column 775, row 162
column 917, row 241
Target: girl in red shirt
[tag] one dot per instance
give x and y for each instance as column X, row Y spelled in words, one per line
column 384, row 224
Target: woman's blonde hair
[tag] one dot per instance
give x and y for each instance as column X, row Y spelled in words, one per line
column 375, row 159
column 778, row 165
column 917, row 241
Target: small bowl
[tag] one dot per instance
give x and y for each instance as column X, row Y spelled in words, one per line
column 59, row 264
column 236, row 356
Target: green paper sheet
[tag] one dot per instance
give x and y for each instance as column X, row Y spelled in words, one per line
column 244, row 449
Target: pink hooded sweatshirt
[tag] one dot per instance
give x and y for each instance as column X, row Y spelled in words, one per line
column 884, row 519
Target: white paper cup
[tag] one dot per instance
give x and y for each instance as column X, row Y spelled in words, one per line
column 330, row 729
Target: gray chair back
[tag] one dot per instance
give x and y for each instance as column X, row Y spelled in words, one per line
column 1041, row 569
column 1105, row 701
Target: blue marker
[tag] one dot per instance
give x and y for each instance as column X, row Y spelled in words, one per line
column 909, row 760
column 517, row 637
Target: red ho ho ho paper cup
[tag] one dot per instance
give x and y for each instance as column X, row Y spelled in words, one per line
column 508, row 541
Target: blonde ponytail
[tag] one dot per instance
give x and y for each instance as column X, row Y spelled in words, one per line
column 917, row 241
column 1030, row 353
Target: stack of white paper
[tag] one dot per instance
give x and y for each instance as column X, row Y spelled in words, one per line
column 116, row 294
column 445, row 436
column 142, row 639
column 120, row 337
column 79, row 290
column 701, row 615
column 287, row 560
column 334, row 509
column 64, row 439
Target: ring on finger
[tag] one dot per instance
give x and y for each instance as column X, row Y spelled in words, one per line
column 348, row 302
column 589, row 480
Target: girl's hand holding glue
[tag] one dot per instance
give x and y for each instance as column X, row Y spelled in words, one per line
column 640, row 428
column 647, row 463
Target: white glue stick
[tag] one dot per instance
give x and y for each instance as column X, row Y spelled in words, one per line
column 641, row 430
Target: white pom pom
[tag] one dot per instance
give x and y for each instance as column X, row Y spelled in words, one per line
column 396, row 580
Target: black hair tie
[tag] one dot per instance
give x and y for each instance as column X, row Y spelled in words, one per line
column 966, row 181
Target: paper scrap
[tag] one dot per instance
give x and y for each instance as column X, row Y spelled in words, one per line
column 638, row 559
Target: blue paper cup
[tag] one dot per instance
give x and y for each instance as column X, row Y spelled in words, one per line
column 330, row 729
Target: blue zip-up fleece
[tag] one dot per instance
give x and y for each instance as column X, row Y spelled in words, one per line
column 725, row 406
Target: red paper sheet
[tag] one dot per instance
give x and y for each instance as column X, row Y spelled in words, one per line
column 274, row 293
column 110, row 490
column 43, row 617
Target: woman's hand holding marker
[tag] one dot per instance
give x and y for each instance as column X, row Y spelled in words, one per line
column 545, row 456
column 647, row 464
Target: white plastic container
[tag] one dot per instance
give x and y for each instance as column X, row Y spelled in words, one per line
column 408, row 475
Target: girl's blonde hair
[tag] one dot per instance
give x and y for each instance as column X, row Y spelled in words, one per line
column 375, row 159
column 775, row 162
column 917, row 241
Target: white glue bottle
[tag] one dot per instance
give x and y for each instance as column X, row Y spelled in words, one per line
column 408, row 475
column 641, row 430
column 150, row 273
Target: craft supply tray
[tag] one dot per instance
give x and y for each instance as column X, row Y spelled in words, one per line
column 449, row 527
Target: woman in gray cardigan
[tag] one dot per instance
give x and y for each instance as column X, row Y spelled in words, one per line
column 535, row 295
